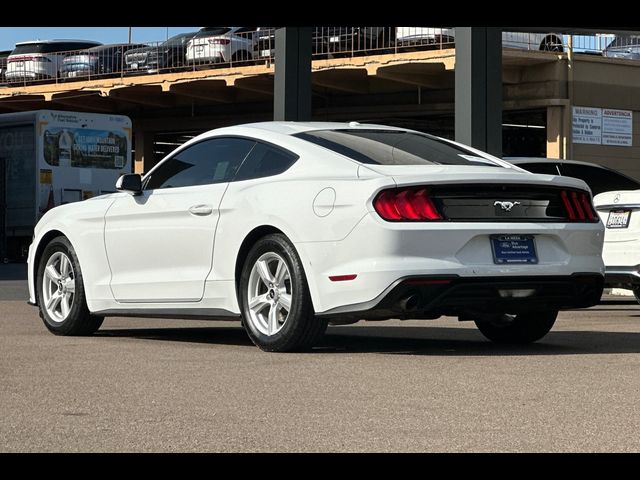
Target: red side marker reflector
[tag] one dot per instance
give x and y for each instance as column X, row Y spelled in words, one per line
column 343, row 278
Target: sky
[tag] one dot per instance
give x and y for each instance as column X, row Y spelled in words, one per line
column 9, row 36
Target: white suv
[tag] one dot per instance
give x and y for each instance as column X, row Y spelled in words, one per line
column 221, row 44
column 41, row 59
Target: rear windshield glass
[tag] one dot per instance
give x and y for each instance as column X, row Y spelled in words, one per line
column 205, row 32
column 50, row 47
column 393, row 147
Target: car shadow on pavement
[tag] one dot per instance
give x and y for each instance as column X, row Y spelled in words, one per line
column 437, row 341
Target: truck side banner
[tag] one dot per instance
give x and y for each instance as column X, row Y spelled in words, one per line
column 85, row 148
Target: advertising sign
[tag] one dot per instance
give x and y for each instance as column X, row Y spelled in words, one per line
column 85, row 148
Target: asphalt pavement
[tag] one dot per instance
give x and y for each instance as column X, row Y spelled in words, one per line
column 418, row 386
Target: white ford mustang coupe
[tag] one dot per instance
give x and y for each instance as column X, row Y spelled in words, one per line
column 291, row 226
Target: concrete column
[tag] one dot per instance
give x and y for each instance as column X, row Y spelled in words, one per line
column 292, row 87
column 555, row 129
column 479, row 88
column 144, row 158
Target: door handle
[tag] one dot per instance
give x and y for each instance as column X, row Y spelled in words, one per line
column 201, row 210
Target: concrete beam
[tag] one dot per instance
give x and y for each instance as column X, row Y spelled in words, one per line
column 262, row 85
column 351, row 81
column 89, row 101
column 210, row 94
column 146, row 96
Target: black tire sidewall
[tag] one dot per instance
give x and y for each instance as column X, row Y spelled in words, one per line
column 526, row 328
column 301, row 307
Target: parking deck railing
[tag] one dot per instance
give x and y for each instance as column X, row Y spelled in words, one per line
column 208, row 50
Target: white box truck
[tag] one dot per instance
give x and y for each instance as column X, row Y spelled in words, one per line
column 48, row 158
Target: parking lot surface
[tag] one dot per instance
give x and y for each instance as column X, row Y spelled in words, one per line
column 432, row 386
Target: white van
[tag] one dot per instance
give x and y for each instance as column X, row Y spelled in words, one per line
column 41, row 59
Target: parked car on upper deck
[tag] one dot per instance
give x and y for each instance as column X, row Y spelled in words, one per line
column 154, row 58
column 332, row 40
column 624, row 46
column 100, row 60
column 418, row 36
column 599, row 178
column 222, row 44
column 3, row 64
column 41, row 59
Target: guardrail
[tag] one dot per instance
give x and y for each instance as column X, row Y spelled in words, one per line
column 210, row 50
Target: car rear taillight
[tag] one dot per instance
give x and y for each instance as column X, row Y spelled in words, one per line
column 578, row 206
column 406, row 205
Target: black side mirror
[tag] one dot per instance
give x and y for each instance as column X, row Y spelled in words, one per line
column 130, row 182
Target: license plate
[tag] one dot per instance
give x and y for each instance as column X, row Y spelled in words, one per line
column 134, row 66
column 619, row 219
column 199, row 48
column 19, row 64
column 265, row 53
column 334, row 39
column 73, row 73
column 513, row 249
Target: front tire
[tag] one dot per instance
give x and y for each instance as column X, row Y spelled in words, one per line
column 520, row 329
column 60, row 291
column 277, row 311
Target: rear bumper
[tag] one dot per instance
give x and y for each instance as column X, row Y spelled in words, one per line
column 382, row 253
column 431, row 297
column 622, row 277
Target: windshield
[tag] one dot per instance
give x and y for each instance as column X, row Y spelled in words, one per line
column 394, row 147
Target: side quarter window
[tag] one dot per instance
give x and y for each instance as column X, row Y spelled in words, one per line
column 265, row 161
column 207, row 162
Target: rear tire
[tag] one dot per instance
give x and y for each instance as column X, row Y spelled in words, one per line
column 520, row 329
column 60, row 292
column 277, row 312
column 636, row 293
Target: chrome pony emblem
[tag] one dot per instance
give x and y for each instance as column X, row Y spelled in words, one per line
column 617, row 198
column 506, row 206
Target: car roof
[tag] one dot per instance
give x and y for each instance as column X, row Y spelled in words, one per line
column 292, row 128
column 39, row 42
